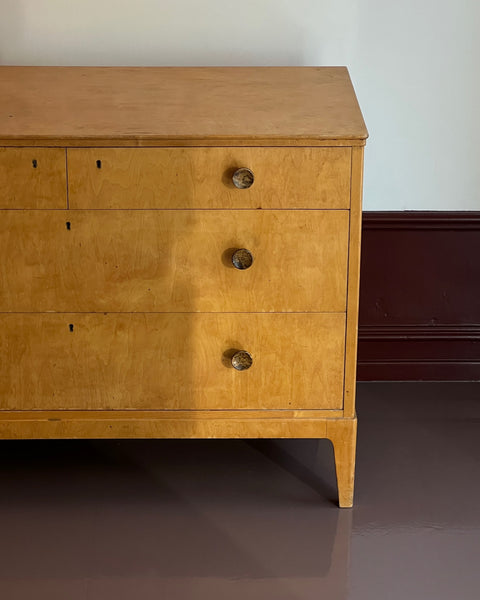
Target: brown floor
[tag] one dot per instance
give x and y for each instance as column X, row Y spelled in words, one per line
column 253, row 519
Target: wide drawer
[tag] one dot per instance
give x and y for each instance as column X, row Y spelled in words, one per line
column 33, row 178
column 202, row 177
column 171, row 361
column 173, row 260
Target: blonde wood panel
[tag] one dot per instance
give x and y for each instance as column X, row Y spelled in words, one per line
column 170, row 361
column 168, row 414
column 61, row 105
column 110, row 424
column 202, row 178
column 33, row 178
column 172, row 261
column 180, row 143
column 353, row 282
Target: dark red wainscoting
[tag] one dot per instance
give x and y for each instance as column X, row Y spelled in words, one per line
column 420, row 296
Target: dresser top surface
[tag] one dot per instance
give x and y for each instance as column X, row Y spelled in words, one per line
column 180, row 105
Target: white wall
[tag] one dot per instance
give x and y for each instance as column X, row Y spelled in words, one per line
column 414, row 63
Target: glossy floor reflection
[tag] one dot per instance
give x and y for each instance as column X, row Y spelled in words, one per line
column 253, row 519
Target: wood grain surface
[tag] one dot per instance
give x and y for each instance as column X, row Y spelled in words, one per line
column 343, row 435
column 192, row 106
column 173, row 260
column 33, row 178
column 164, row 424
column 353, row 289
column 170, row 361
column 202, row 178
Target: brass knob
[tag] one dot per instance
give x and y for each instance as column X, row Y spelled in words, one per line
column 242, row 360
column 243, row 178
column 242, row 259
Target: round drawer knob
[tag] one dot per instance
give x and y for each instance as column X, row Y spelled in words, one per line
column 243, row 178
column 242, row 360
column 242, row 259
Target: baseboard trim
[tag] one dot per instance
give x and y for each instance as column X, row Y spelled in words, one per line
column 419, row 370
column 419, row 332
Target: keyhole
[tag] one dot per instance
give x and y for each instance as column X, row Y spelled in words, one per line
column 99, row 164
column 71, row 326
column 68, row 225
column 34, row 163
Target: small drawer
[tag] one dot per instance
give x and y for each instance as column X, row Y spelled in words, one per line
column 33, row 178
column 209, row 177
column 174, row 260
column 171, row 361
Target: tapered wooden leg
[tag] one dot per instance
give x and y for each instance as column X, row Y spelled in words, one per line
column 343, row 435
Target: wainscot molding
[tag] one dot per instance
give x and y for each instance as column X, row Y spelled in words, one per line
column 420, row 296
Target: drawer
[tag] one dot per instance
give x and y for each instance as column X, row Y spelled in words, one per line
column 171, row 361
column 173, row 260
column 203, row 177
column 33, row 178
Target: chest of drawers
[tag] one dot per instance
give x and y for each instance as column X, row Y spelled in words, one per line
column 180, row 254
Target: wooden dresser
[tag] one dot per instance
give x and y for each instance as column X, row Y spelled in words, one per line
column 180, row 254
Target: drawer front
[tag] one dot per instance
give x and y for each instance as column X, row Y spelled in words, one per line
column 203, row 178
column 173, row 260
column 173, row 361
column 33, row 178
